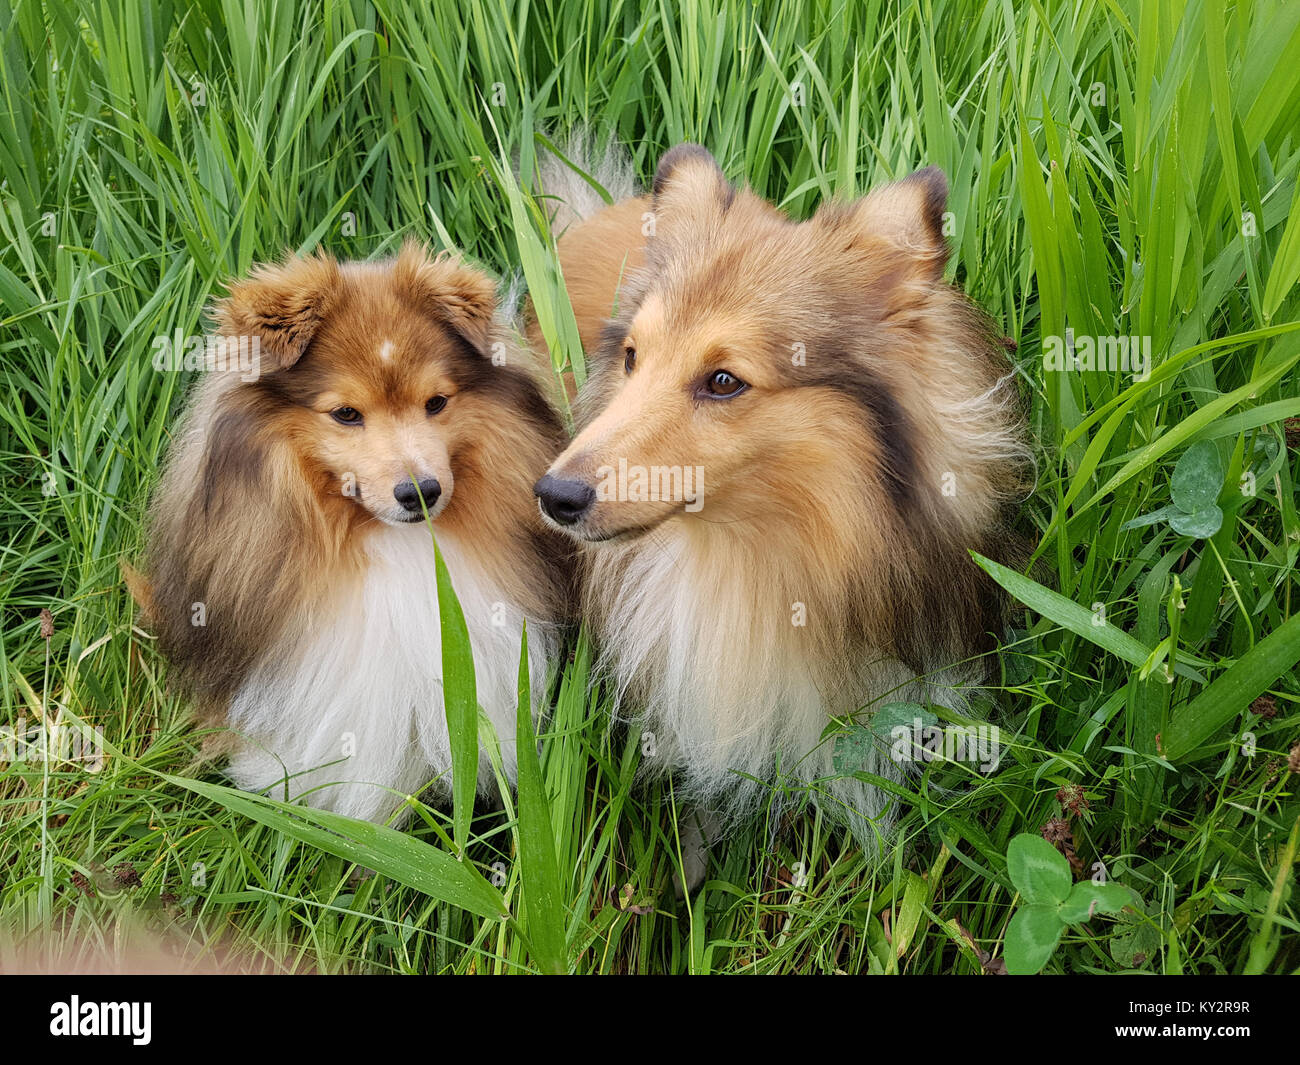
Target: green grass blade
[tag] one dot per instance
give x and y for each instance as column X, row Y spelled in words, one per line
column 1069, row 614
column 460, row 701
column 398, row 855
column 543, row 900
column 1249, row 677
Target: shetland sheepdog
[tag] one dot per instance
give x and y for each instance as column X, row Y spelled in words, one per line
column 791, row 434
column 290, row 568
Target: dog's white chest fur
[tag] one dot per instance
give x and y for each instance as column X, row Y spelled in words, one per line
column 359, row 700
column 730, row 683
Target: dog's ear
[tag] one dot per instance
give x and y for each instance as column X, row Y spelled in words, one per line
column 462, row 298
column 140, row 588
column 689, row 187
column 909, row 215
column 281, row 305
column 689, row 170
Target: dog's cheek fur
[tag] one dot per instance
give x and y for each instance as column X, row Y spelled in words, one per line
column 236, row 532
column 503, row 437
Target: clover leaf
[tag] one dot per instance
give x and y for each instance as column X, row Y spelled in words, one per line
column 858, row 747
column 1195, row 486
column 1053, row 902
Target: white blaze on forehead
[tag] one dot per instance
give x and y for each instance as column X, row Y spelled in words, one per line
column 386, row 350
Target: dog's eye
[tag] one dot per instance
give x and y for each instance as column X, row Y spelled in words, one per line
column 629, row 359
column 723, row 385
column 346, row 415
column 435, row 405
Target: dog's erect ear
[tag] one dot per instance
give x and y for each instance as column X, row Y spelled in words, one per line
column 689, row 185
column 281, row 305
column 909, row 214
column 462, row 298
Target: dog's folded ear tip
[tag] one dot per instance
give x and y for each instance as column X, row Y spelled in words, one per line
column 933, row 182
column 416, row 251
column 911, row 213
column 930, row 187
column 279, row 303
column 681, row 158
column 450, row 289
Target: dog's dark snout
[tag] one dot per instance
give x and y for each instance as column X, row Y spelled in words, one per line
column 409, row 495
column 564, row 501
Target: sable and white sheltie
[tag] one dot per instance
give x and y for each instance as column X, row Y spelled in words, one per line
column 290, row 571
column 790, row 436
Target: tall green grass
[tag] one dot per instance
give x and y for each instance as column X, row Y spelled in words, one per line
column 1117, row 168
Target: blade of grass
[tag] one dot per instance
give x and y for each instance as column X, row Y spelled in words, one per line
column 397, row 855
column 1070, row 615
column 1227, row 695
column 460, row 702
column 543, row 900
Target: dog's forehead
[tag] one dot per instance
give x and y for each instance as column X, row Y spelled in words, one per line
column 756, row 290
column 371, row 296
column 742, row 257
column 373, row 324
column 377, row 350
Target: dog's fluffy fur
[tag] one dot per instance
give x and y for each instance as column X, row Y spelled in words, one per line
column 877, row 440
column 276, row 526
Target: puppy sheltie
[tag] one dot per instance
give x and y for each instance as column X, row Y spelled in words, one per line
column 791, row 435
column 289, row 569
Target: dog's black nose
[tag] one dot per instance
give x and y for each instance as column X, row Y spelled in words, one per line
column 409, row 495
column 564, row 501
